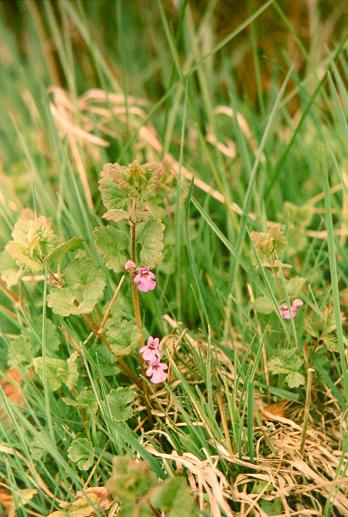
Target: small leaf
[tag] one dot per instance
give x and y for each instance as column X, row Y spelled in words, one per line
column 33, row 335
column 131, row 479
column 33, row 239
column 119, row 215
column 295, row 380
column 173, row 497
column 124, row 337
column 81, row 451
column 85, row 284
column 73, row 372
column 119, row 401
column 112, row 244
column 9, row 270
column 121, row 186
column 263, row 305
column 20, row 351
column 59, row 251
column 295, row 286
column 56, row 371
column 84, row 400
column 331, row 342
column 272, row 507
column 151, row 237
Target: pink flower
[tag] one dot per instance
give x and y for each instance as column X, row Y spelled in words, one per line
column 151, row 351
column 297, row 303
column 156, row 371
column 289, row 314
column 130, row 266
column 145, row 279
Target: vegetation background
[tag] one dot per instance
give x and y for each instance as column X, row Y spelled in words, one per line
column 246, row 103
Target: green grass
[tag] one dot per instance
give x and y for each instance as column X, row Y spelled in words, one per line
column 236, row 159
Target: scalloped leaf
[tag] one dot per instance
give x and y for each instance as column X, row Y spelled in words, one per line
column 124, row 337
column 33, row 239
column 81, row 451
column 112, row 244
column 59, row 251
column 119, row 402
column 150, row 235
column 9, row 270
column 57, row 371
column 84, row 286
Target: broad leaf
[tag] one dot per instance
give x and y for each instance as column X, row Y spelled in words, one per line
column 174, row 497
column 85, row 400
column 113, row 245
column 130, row 479
column 119, row 402
column 33, row 239
column 9, row 270
column 60, row 251
column 85, row 284
column 81, row 451
column 150, row 235
column 295, row 286
column 57, row 371
column 124, row 337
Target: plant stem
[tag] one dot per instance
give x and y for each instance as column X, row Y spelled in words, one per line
column 135, row 296
column 310, row 372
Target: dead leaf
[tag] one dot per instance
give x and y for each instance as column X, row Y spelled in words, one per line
column 8, row 384
column 274, row 411
column 6, row 498
column 86, row 503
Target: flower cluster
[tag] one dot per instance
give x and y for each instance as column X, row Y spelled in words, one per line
column 151, row 353
column 289, row 313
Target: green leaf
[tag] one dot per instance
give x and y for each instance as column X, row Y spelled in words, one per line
column 287, row 361
column 173, row 497
column 150, row 235
column 119, row 215
column 119, row 402
column 20, row 351
column 299, row 216
column 121, row 186
column 103, row 359
column 73, row 372
column 112, row 245
column 272, row 507
column 331, row 342
column 57, row 371
column 85, row 284
column 295, row 286
column 263, row 305
column 85, row 400
column 269, row 245
column 81, row 451
column 124, row 337
column 140, row 509
column 295, row 379
column 33, row 239
column 9, row 270
column 62, row 249
column 131, row 479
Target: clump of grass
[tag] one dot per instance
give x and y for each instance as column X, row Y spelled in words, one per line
column 240, row 212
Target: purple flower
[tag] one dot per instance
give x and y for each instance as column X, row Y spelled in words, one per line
column 156, row 371
column 145, row 279
column 130, row 266
column 287, row 313
column 151, row 351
